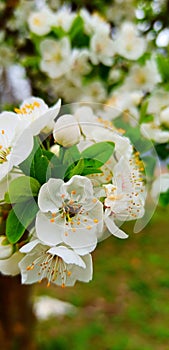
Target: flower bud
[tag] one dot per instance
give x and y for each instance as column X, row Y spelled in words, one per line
column 6, row 248
column 55, row 149
column 164, row 116
column 67, row 132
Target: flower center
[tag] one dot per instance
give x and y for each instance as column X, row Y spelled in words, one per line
column 70, row 210
column 4, row 149
column 4, row 152
column 27, row 108
column 51, row 267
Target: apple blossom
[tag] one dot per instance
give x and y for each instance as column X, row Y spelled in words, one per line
column 69, row 213
column 40, row 22
column 15, row 143
column 37, row 115
column 10, row 266
column 101, row 49
column 55, row 57
column 58, row 264
column 153, row 131
column 128, row 43
column 63, row 18
column 160, row 185
column 164, row 116
column 125, row 196
column 66, row 131
column 6, row 249
column 143, row 77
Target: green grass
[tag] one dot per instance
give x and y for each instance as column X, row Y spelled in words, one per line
column 126, row 306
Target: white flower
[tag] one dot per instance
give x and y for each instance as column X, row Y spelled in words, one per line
column 154, row 132
column 69, row 87
column 79, row 66
column 37, row 115
column 160, row 185
column 55, row 57
column 93, row 92
column 164, row 116
column 66, row 131
column 123, row 100
column 55, row 149
column 63, row 19
column 128, row 44
column 95, row 129
column 15, row 142
column 143, row 77
column 157, row 101
column 94, row 23
column 59, row 265
column 6, row 248
column 69, row 213
column 10, row 266
column 101, row 49
column 125, row 197
column 40, row 22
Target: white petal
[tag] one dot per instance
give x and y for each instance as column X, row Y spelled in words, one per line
column 114, row 229
column 31, row 276
column 68, row 255
column 83, row 241
column 45, row 119
column 10, row 266
column 29, row 246
column 49, row 198
column 49, row 232
column 22, row 148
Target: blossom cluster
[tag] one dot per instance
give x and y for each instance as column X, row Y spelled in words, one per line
column 77, row 51
column 69, row 181
column 85, row 60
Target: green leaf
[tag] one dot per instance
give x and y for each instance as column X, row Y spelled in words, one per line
column 25, row 166
column 71, row 155
column 164, row 198
column 90, row 170
column 149, row 164
column 21, row 189
column 76, row 27
column 56, row 167
column 162, row 150
column 40, row 169
column 76, row 33
column 163, row 66
column 75, row 169
column 100, row 151
column 58, row 32
column 37, row 164
column 19, row 218
column 143, row 112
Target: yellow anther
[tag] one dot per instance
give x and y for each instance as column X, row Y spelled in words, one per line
column 17, row 110
column 36, row 104
column 95, row 221
column 73, row 192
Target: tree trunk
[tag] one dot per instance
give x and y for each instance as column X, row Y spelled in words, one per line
column 16, row 316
